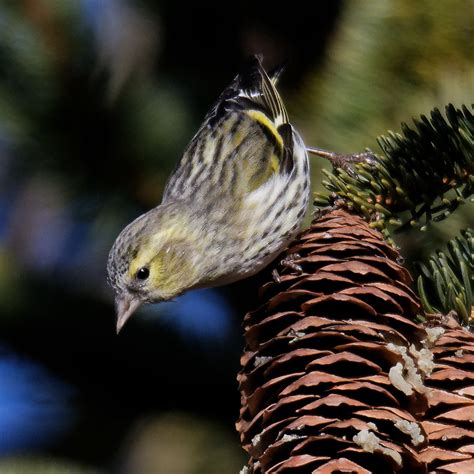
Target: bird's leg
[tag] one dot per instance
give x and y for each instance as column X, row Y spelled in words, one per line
column 288, row 262
column 340, row 160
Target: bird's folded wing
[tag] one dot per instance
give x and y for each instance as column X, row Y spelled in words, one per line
column 244, row 141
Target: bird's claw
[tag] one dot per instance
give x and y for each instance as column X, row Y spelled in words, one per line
column 288, row 262
column 345, row 161
column 276, row 276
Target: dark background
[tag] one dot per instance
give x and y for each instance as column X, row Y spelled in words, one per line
column 98, row 99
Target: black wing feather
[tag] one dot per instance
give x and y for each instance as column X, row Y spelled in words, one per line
column 251, row 89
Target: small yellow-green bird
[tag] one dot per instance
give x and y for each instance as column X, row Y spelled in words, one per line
column 235, row 200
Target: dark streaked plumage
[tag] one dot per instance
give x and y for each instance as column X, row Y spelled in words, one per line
column 236, row 198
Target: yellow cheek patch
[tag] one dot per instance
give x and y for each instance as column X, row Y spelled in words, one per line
column 146, row 254
column 141, row 260
column 262, row 119
column 150, row 260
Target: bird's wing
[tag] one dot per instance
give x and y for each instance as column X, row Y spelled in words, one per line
column 244, row 141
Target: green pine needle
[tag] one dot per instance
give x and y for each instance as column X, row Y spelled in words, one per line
column 447, row 283
column 424, row 174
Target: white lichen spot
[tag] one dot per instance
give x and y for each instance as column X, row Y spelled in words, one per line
column 397, row 349
column 395, row 374
column 245, row 470
column 459, row 353
column 260, row 360
column 256, row 440
column 424, row 359
column 367, row 440
column 405, row 376
column 292, row 437
column 372, row 426
column 370, row 443
column 432, row 335
column 411, row 428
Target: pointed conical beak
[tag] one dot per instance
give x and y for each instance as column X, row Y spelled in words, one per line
column 125, row 306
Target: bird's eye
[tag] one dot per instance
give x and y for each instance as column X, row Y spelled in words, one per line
column 143, row 273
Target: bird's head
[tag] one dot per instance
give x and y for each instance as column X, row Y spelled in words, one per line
column 150, row 261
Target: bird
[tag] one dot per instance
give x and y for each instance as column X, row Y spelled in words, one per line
column 235, row 200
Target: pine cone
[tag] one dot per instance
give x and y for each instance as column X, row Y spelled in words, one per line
column 449, row 419
column 333, row 374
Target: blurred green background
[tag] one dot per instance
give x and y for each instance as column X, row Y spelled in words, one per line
column 98, row 99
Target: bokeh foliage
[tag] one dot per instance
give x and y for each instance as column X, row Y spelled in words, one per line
column 98, row 99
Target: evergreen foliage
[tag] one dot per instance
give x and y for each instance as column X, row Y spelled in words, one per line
column 446, row 282
column 425, row 173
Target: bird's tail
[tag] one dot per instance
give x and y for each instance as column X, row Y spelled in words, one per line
column 254, row 84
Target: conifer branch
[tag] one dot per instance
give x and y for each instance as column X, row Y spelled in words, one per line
column 447, row 282
column 424, row 174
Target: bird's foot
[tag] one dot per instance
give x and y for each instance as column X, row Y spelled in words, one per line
column 341, row 160
column 288, row 262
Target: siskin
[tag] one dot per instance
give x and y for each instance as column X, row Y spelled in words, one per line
column 236, row 199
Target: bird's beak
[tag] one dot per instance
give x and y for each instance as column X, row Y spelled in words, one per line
column 125, row 306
